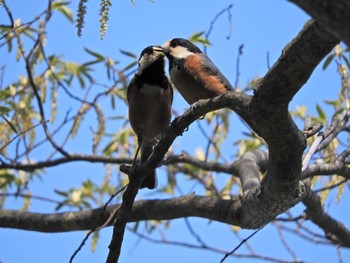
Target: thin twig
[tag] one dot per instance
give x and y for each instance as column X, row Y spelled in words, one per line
column 14, row 28
column 209, row 248
column 284, row 241
column 268, row 60
column 240, row 244
column 41, row 198
column 211, row 26
column 96, row 226
column 18, row 135
column 193, row 233
column 332, row 186
column 240, row 53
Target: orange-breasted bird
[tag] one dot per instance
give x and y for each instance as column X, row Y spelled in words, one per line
column 194, row 75
column 149, row 96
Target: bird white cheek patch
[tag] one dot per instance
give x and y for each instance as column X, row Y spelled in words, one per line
column 180, row 52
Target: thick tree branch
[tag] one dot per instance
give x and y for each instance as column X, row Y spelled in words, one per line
column 337, row 167
column 122, row 218
column 185, row 206
column 297, row 62
column 295, row 65
column 332, row 15
column 162, row 209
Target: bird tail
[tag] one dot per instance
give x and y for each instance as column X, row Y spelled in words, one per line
column 151, row 179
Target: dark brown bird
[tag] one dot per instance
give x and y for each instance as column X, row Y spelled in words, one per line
column 150, row 96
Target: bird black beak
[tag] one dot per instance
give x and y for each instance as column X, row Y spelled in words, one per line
column 158, row 49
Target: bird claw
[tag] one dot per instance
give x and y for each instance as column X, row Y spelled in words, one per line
column 174, row 127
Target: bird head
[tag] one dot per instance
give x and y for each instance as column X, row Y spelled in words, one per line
column 149, row 56
column 180, row 48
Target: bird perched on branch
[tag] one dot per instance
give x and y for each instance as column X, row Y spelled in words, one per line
column 194, row 75
column 149, row 96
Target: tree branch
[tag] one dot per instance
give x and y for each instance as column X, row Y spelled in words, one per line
column 162, row 209
column 332, row 15
column 334, row 230
column 72, row 158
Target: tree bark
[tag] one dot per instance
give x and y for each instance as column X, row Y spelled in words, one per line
column 332, row 15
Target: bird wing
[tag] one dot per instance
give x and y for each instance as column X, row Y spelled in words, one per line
column 213, row 70
column 131, row 86
column 169, row 89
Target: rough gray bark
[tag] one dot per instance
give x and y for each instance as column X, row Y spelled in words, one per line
column 332, row 15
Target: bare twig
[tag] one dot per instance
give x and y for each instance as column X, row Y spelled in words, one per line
column 240, row 53
column 18, row 135
column 211, row 248
column 268, row 60
column 304, row 234
column 193, row 233
column 332, row 186
column 97, row 224
column 14, row 28
column 212, row 23
column 284, row 241
column 41, row 198
column 240, row 244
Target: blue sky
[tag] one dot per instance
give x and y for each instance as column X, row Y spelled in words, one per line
column 263, row 27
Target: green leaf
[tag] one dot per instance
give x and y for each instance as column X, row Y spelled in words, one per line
column 91, row 63
column 78, row 118
column 340, row 111
column 346, row 60
column 4, row 110
column 94, row 241
column 61, row 193
column 59, row 206
column 112, row 102
column 131, row 65
column 334, row 103
column 196, row 35
column 9, row 123
column 118, row 117
column 63, row 9
column 340, row 192
column 7, row 179
column 127, row 53
column 324, row 195
column 98, row 56
column 54, row 110
column 328, row 60
column 121, row 93
column 321, row 113
column 9, row 45
column 27, row 31
column 197, row 38
column 81, row 81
